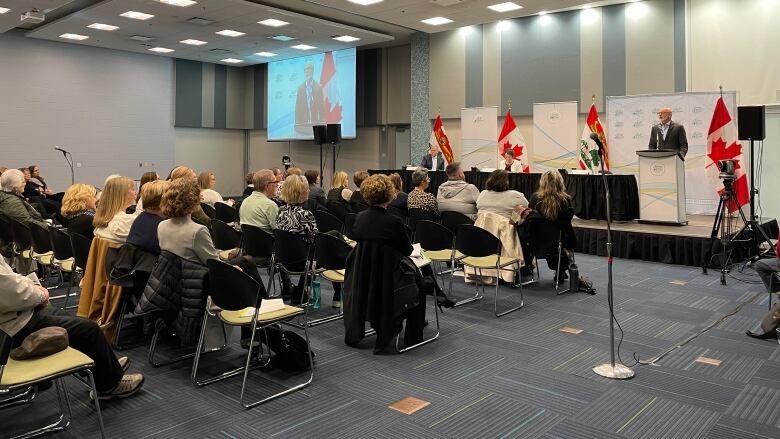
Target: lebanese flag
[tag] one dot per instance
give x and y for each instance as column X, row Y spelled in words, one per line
column 589, row 152
column 439, row 138
column 330, row 90
column 512, row 138
column 722, row 144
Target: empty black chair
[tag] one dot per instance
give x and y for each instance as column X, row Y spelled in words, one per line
column 327, row 222
column 349, row 221
column 41, row 245
column 80, row 245
column 330, row 261
column 338, row 209
column 397, row 211
column 6, row 238
column 225, row 212
column 258, row 244
column 437, row 244
column 22, row 242
column 291, row 255
column 208, row 210
column 63, row 259
column 416, row 214
column 452, row 220
column 225, row 237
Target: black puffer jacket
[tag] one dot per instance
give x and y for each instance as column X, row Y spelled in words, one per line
column 177, row 289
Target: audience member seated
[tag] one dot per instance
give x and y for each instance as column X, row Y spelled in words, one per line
column 339, row 196
column 287, row 173
column 294, row 218
column 111, row 221
column 768, row 269
column 13, row 206
column 143, row 233
column 455, row 195
column 78, row 209
column 553, row 203
column 400, row 196
column 259, row 209
column 37, row 179
column 148, row 177
column 316, row 193
column 511, row 164
column 495, row 206
column 24, row 309
column 208, row 195
column 356, row 201
column 497, row 197
column 383, row 285
column 418, row 198
column 198, row 215
column 34, row 194
column 179, row 234
column 250, row 187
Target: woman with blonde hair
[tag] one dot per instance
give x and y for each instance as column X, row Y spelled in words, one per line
column 207, row 181
column 147, row 177
column 553, row 203
column 111, row 221
column 143, row 233
column 78, row 209
column 339, row 188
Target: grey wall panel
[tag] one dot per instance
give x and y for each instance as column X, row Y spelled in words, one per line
column 591, row 64
column 207, row 96
column 235, row 94
column 540, row 60
column 474, row 61
column 188, row 93
column 258, row 76
column 447, row 65
column 491, row 66
column 680, row 76
column 220, row 96
column 614, row 52
column 649, row 33
column 398, row 85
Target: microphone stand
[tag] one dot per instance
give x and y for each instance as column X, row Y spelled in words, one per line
column 610, row 370
column 70, row 163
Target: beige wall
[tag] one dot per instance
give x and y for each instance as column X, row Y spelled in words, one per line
column 397, row 85
column 650, row 47
column 221, row 151
column 447, row 74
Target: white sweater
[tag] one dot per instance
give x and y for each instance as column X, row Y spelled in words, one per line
column 18, row 299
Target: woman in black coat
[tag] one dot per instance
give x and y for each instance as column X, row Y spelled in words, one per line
column 553, row 203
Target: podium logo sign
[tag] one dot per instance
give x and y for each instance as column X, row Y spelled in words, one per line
column 657, row 169
column 554, row 116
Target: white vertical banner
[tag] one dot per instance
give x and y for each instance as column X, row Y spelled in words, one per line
column 556, row 140
column 479, row 137
column 630, row 119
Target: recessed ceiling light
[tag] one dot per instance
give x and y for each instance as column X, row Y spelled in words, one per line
column 141, row 38
column 76, row 37
column 542, row 12
column 505, row 7
column 266, row 54
column 436, row 21
column 161, row 50
column 365, row 2
column 101, row 26
column 346, row 38
column 303, row 47
column 231, row 60
column 273, row 22
column 282, row 38
column 4, row 10
column 180, row 3
column 192, row 42
column 230, row 33
column 136, row 15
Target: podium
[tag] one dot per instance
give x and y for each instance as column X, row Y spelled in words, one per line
column 661, row 187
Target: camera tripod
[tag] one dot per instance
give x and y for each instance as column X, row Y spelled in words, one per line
column 724, row 223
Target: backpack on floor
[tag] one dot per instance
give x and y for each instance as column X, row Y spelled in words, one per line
column 291, row 352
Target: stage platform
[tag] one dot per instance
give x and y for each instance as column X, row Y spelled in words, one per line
column 670, row 244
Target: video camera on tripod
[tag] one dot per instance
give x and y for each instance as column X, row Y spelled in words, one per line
column 727, row 169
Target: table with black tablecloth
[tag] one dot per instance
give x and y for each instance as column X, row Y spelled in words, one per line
column 587, row 191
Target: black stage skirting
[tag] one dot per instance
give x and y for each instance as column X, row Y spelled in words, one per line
column 587, row 191
column 657, row 247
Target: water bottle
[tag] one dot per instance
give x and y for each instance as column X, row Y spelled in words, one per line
column 315, row 294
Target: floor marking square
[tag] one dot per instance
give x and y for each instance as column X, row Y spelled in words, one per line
column 409, row 405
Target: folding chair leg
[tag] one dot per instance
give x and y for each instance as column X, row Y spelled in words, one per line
column 475, row 297
column 97, row 403
column 153, row 347
column 495, row 302
column 25, row 397
column 199, row 352
column 558, row 271
column 424, row 341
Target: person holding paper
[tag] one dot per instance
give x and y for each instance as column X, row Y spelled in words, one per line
column 667, row 134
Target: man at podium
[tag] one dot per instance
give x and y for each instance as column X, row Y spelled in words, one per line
column 667, row 134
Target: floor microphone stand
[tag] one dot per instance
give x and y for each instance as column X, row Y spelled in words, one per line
column 70, row 163
column 611, row 369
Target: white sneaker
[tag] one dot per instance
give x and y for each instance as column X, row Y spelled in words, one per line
column 128, row 386
column 336, row 304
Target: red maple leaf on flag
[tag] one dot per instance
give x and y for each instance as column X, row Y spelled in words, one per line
column 332, row 115
column 722, row 152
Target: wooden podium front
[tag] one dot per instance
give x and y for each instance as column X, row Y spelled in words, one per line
column 661, row 187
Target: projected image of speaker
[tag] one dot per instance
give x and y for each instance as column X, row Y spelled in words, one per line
column 751, row 123
column 334, row 133
column 320, row 134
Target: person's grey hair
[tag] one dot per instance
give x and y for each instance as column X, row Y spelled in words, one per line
column 11, row 180
column 419, row 176
column 262, row 178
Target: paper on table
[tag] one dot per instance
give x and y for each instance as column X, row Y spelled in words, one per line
column 266, row 306
column 419, row 259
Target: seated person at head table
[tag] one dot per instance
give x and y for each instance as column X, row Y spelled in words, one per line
column 433, row 161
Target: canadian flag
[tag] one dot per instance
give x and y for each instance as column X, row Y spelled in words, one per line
column 330, row 90
column 512, row 138
column 722, row 144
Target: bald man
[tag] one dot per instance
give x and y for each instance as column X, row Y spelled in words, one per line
column 667, row 134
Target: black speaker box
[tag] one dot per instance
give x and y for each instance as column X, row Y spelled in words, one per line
column 320, row 134
column 334, row 133
column 751, row 123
